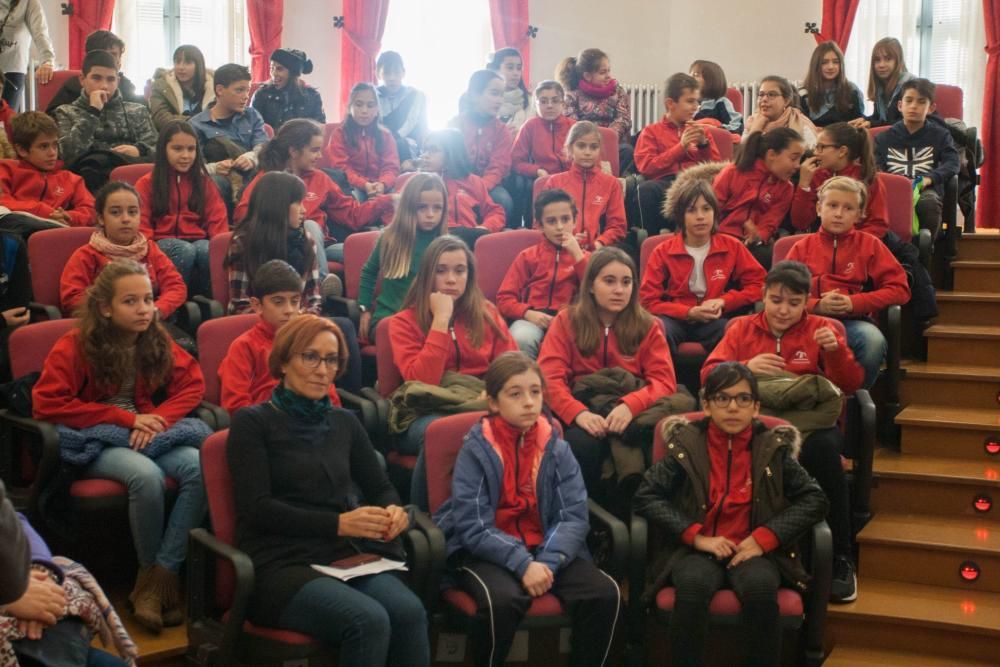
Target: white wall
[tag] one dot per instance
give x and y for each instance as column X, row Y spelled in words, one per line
column 58, row 31
column 309, row 26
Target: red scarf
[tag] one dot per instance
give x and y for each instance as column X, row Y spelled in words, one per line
column 600, row 92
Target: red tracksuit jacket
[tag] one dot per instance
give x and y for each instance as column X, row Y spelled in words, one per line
column 363, row 163
column 6, row 116
column 749, row 336
column 659, row 152
column 665, row 290
column 469, row 204
column 489, row 148
column 540, row 144
column 598, row 196
column 876, row 220
column 67, row 393
column 426, row 356
column 244, row 376
column 754, row 194
column 181, row 222
column 542, row 277
column 24, row 187
column 562, row 364
column 848, row 262
column 86, row 262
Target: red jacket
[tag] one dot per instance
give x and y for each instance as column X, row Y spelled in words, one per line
column 469, row 203
column 542, row 277
column 876, row 220
column 363, row 163
column 848, row 262
column 426, row 356
column 563, row 364
column 67, row 393
column 180, row 222
column 489, row 148
column 659, row 152
column 517, row 505
column 244, row 376
column 754, row 194
column 86, row 262
column 24, row 187
column 598, row 197
column 6, row 116
column 665, row 290
column 324, row 201
column 746, row 337
column 540, row 145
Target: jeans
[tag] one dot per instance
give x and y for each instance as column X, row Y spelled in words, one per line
column 226, row 192
column 528, row 337
column 928, row 209
column 412, row 442
column 335, row 252
column 376, row 620
column 97, row 658
column 156, row 542
column 868, row 345
column 500, row 195
column 681, row 331
column 312, row 228
column 191, row 260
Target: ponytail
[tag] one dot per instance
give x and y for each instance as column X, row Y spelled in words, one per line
column 758, row 144
column 859, row 147
column 295, row 134
column 571, row 70
column 567, row 75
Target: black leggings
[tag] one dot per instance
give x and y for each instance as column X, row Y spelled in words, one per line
column 820, row 456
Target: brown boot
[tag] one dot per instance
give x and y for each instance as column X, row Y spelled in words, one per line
column 145, row 600
column 173, row 602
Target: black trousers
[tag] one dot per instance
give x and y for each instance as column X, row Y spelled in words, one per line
column 25, row 225
column 650, row 195
column 591, row 597
column 928, row 209
column 820, row 456
column 13, row 83
column 697, row 577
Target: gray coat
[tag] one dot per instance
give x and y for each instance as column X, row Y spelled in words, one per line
column 83, row 129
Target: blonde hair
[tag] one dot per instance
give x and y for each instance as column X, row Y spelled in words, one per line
column 845, row 184
column 581, row 129
column 399, row 237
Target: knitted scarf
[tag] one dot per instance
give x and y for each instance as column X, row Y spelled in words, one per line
column 513, row 103
column 298, row 406
column 600, row 92
column 136, row 250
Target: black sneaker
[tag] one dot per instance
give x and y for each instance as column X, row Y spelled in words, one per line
column 844, row 587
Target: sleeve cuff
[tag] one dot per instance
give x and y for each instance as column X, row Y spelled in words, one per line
column 687, row 537
column 766, row 538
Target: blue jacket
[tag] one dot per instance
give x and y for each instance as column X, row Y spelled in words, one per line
column 467, row 517
column 246, row 129
column 928, row 151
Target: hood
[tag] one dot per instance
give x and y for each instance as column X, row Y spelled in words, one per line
column 706, row 171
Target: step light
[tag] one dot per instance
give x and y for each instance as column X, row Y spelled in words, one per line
column 969, row 571
column 992, row 445
column 982, row 503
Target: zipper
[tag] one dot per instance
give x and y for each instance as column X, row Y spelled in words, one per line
column 777, row 340
column 177, row 217
column 458, row 352
column 45, row 187
column 583, row 209
column 606, row 330
column 517, row 484
column 725, row 494
column 555, row 273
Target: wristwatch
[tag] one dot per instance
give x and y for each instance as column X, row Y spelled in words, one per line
column 363, row 309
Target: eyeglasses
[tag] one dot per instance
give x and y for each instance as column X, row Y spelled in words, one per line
column 769, row 94
column 721, row 400
column 312, row 359
column 823, row 147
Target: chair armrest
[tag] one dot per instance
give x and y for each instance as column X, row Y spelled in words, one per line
column 202, row 546
column 48, row 461
column 188, row 317
column 865, row 457
column 620, row 545
column 821, row 568
column 210, row 308
column 438, row 555
column 893, row 326
column 341, row 305
column 639, row 530
column 382, row 411
column 925, row 246
column 368, row 412
column 418, row 560
column 212, row 415
column 50, row 312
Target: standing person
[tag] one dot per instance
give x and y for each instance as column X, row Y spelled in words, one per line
column 362, row 149
column 517, row 103
column 886, row 77
column 778, row 106
column 22, row 23
column 286, row 95
column 714, row 103
column 403, row 108
column 829, row 97
column 99, row 40
column 182, row 91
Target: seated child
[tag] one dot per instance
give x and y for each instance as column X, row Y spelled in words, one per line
column 362, row 149
column 516, row 107
column 540, row 147
column 403, row 108
column 714, row 103
column 829, row 97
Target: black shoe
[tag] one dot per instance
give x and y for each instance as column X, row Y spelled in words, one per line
column 844, row 587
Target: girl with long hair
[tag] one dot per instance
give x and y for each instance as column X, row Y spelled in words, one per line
column 886, row 77
column 829, row 97
column 362, row 148
column 778, row 106
column 517, row 103
column 182, row 91
column 286, row 95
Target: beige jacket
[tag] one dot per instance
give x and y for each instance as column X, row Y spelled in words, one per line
column 165, row 97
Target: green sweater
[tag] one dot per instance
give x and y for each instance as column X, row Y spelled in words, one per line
column 392, row 290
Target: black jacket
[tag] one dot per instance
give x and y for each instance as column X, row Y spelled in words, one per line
column 71, row 90
column 294, row 101
column 15, row 279
column 928, row 151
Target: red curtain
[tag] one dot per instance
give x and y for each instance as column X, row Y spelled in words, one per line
column 988, row 196
column 87, row 16
column 364, row 23
column 264, row 21
column 509, row 20
column 838, row 19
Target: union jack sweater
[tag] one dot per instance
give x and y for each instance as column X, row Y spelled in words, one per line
column 929, row 151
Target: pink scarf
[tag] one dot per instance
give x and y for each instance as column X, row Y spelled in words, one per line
column 600, row 92
column 136, row 250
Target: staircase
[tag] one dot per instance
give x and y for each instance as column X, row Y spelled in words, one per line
column 936, row 502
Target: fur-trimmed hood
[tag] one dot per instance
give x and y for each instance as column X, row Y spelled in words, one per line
column 785, row 435
column 165, row 79
column 705, row 171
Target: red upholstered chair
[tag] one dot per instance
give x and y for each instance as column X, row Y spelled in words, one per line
column 875, row 131
column 799, row 611
column 899, row 199
column 949, row 101
column 389, row 379
column 214, row 339
column 218, row 246
column 609, row 149
column 131, row 173
column 724, row 140
column 269, row 131
column 45, row 93
column 736, row 97
column 358, row 248
column 496, row 252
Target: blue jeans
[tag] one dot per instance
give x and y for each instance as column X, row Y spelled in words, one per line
column 157, row 542
column 868, row 345
column 500, row 195
column 335, row 252
column 528, row 337
column 376, row 620
column 681, row 331
column 314, row 231
column 191, row 260
column 412, row 442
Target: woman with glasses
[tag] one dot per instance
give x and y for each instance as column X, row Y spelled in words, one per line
column 732, row 494
column 778, row 106
column 309, row 490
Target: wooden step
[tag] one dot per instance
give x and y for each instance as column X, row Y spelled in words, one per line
column 958, row 433
column 851, row 655
column 928, row 620
column 976, row 275
column 951, row 384
column 922, row 549
column 935, row 486
column 962, row 344
column 979, row 246
column 969, row 307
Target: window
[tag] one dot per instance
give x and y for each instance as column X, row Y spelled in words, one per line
column 152, row 29
column 442, row 44
column 942, row 40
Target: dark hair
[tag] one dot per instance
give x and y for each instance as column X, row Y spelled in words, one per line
column 28, row 126
column 477, row 86
column 924, row 88
column 389, row 60
column 229, row 74
column 163, row 183
column 816, row 86
column 457, row 164
column 683, row 194
column 103, row 40
column 497, row 59
column 506, row 366
column 553, row 196
column 98, row 59
column 571, row 70
column 549, row 84
column 793, row 276
column 293, row 134
column 678, row 83
column 786, row 88
column 714, row 79
column 109, row 188
column 726, row 375
column 353, row 131
column 191, row 53
column 858, row 143
column 275, row 276
column 758, row 144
